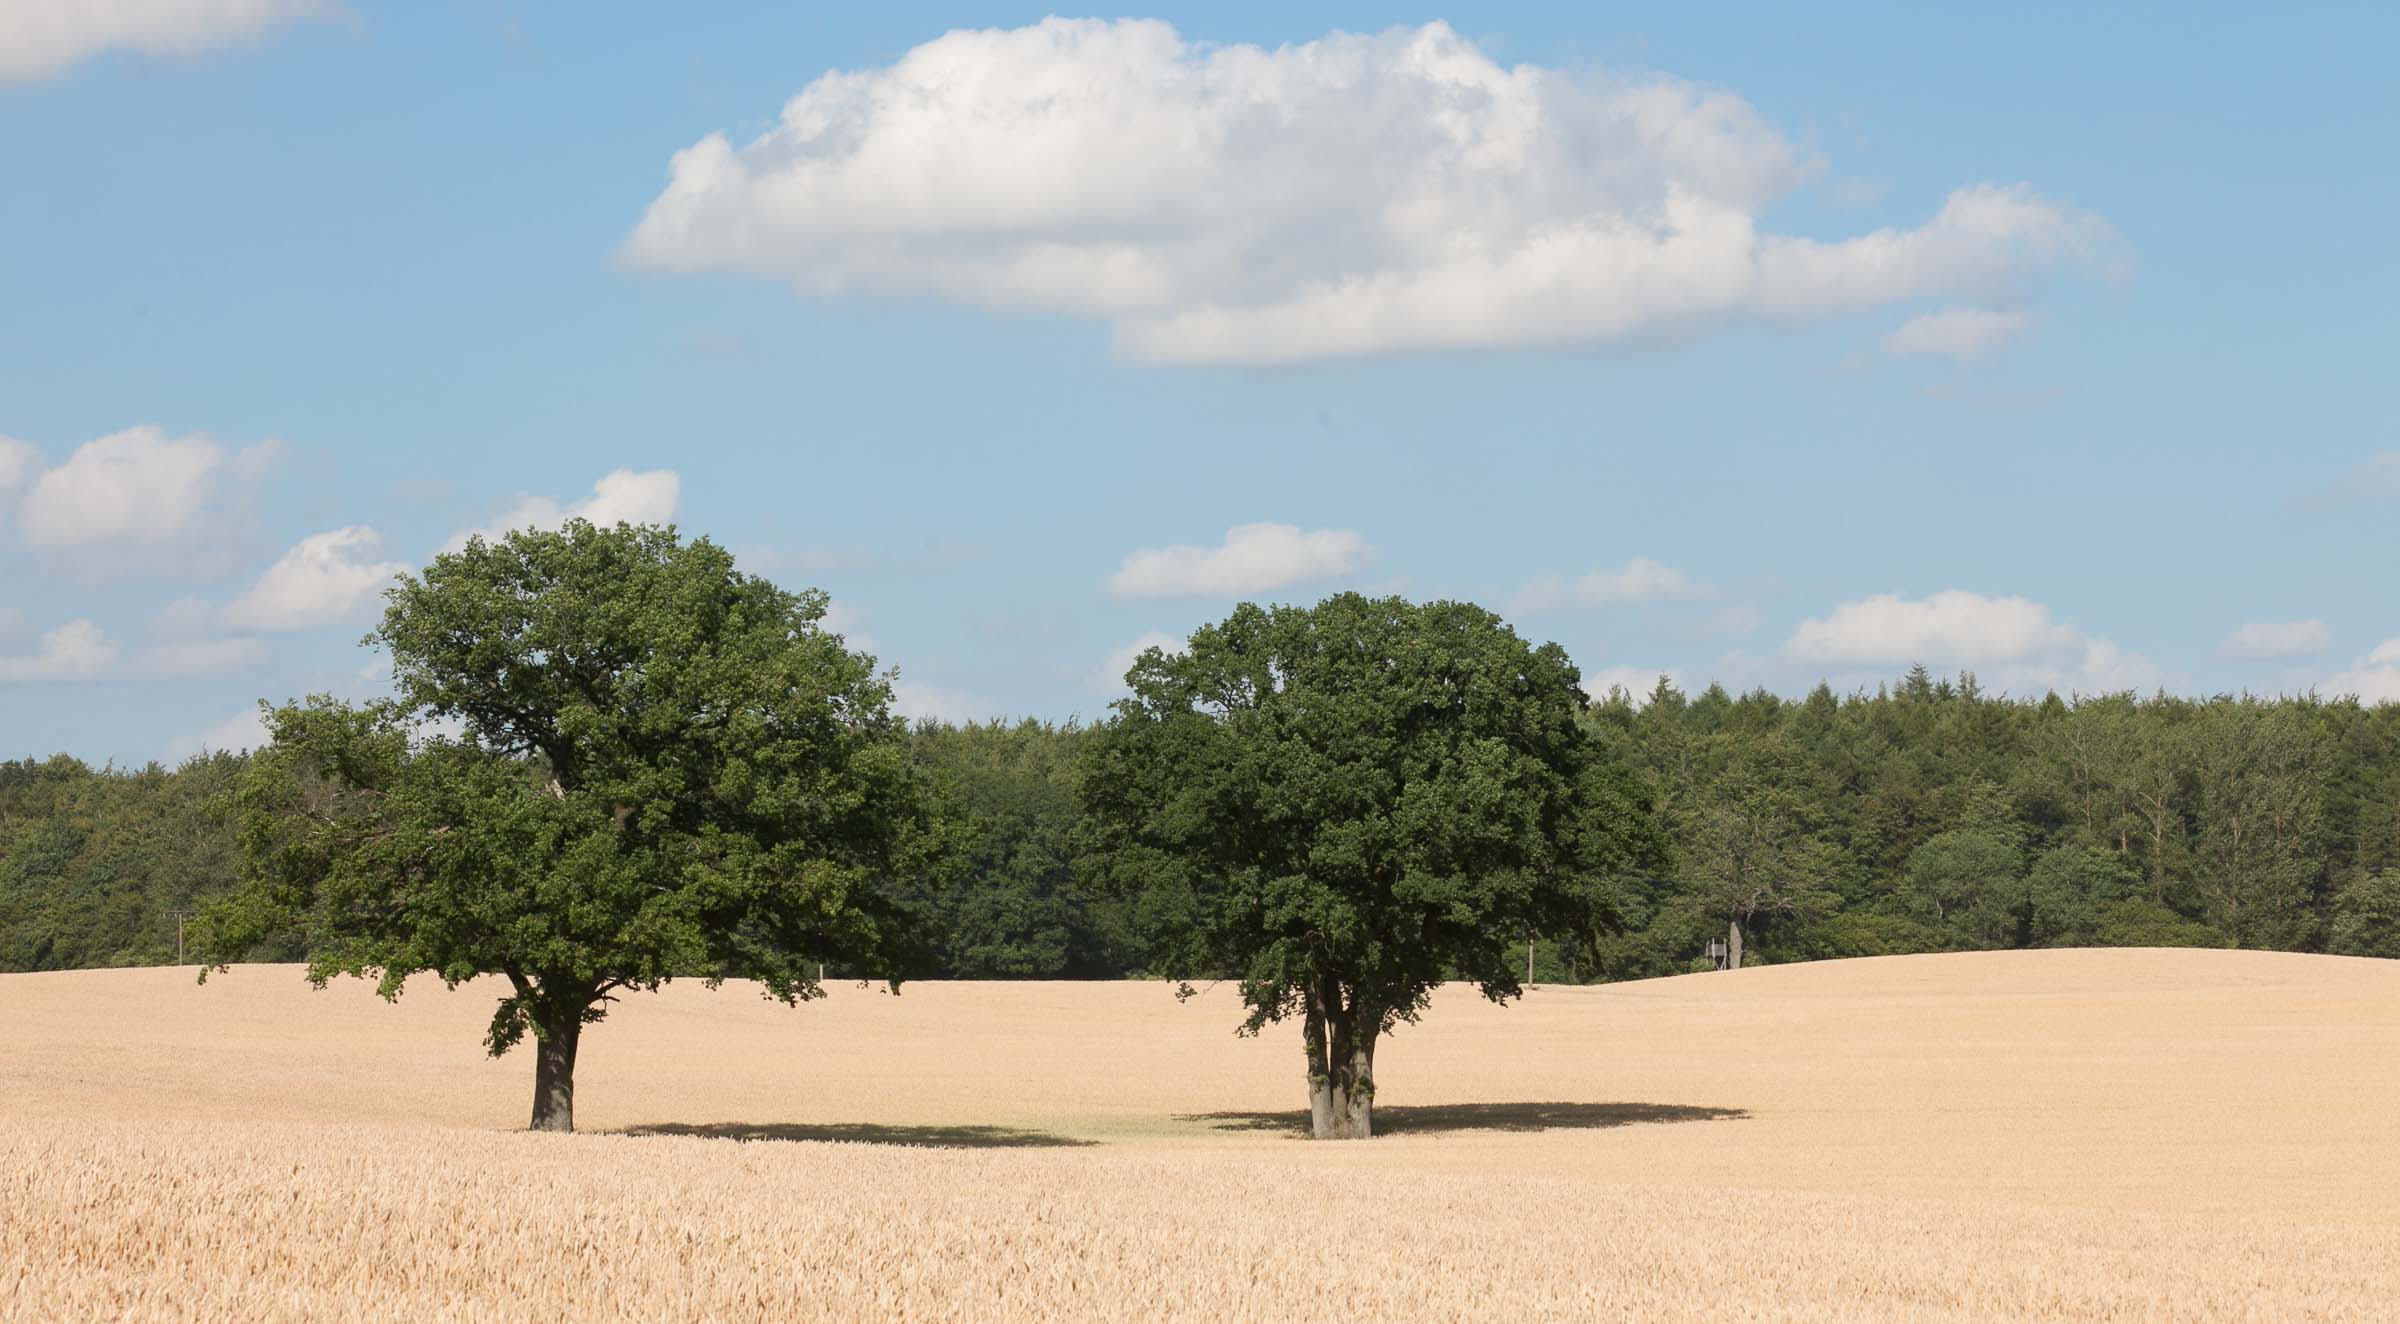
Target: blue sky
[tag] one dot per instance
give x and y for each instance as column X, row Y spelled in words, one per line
column 1737, row 342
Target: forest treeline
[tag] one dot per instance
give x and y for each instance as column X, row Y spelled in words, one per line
column 1927, row 815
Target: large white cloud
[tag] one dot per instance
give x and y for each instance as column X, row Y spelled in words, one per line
column 2374, row 679
column 1958, row 334
column 41, row 37
column 139, row 488
column 1254, row 558
column 622, row 496
column 1354, row 195
column 2012, row 642
column 324, row 579
column 1638, row 582
column 2261, row 640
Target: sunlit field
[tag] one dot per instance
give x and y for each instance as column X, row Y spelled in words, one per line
column 2073, row 1135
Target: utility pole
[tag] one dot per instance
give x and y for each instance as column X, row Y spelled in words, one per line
column 179, row 918
column 1529, row 942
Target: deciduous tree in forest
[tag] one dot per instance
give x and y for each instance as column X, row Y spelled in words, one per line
column 1342, row 806
column 612, row 760
column 1749, row 857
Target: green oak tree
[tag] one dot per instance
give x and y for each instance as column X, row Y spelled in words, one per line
column 611, row 760
column 1343, row 806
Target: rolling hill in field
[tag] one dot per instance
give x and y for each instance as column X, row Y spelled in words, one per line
column 2096, row 1135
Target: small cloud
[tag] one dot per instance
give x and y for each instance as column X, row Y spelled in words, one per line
column 81, row 651
column 49, row 36
column 2372, row 481
column 77, row 650
column 2375, row 678
column 2262, row 640
column 1637, row 682
column 623, row 496
column 323, row 580
column 1111, row 676
column 937, row 703
column 2012, row 642
column 1950, row 627
column 848, row 620
column 1638, row 582
column 1254, row 558
column 244, row 731
column 1960, row 335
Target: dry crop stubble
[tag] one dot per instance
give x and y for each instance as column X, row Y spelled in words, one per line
column 2055, row 1135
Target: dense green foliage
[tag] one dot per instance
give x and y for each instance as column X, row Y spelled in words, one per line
column 2102, row 822
column 1343, row 805
column 661, row 767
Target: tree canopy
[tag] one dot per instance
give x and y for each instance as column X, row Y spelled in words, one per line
column 1344, row 805
column 611, row 760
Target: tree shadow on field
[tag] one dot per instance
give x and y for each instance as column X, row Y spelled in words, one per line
column 1425, row 1119
column 867, row 1133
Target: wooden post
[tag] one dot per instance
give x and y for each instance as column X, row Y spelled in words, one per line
column 1529, row 942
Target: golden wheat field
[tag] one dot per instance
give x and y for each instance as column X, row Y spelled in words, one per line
column 2071, row 1135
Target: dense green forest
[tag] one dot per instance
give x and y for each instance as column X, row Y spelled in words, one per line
column 1925, row 816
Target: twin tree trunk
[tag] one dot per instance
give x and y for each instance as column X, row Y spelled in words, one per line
column 554, row 1073
column 1340, row 1041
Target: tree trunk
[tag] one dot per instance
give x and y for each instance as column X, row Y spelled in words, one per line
column 1733, row 944
column 1320, row 1069
column 1341, row 1078
column 554, row 1074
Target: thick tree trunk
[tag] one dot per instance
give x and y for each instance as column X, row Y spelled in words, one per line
column 1733, row 945
column 554, row 1074
column 1340, row 1041
column 1320, row 1069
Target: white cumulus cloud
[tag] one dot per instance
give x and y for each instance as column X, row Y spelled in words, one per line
column 622, row 496
column 324, row 579
column 1637, row 682
column 2012, row 642
column 1958, row 334
column 139, row 488
column 2374, row 679
column 1111, row 675
column 19, row 462
column 937, row 703
column 81, row 650
column 2261, row 640
column 244, row 730
column 1638, row 582
column 1350, row 196
column 77, row 650
column 1254, row 558
column 39, row 38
